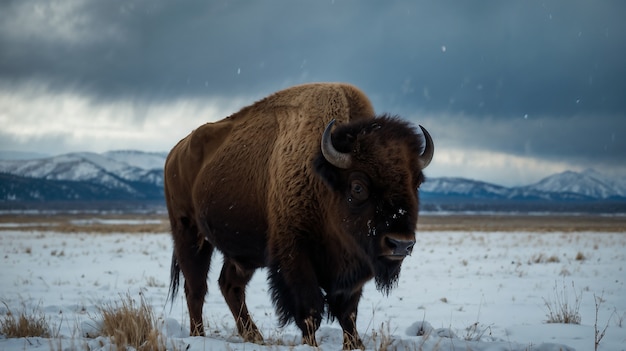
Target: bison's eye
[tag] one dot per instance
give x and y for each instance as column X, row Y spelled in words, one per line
column 359, row 191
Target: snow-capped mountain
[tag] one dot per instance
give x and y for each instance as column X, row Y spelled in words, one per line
column 573, row 182
column 618, row 184
column 463, row 187
column 114, row 175
column 122, row 175
column 589, row 183
column 566, row 186
column 108, row 168
column 144, row 160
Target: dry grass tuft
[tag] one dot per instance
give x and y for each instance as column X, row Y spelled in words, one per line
column 24, row 324
column 561, row 310
column 131, row 325
column 382, row 339
column 541, row 258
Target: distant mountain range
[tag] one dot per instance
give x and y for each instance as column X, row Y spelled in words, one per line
column 138, row 176
column 566, row 186
column 114, row 175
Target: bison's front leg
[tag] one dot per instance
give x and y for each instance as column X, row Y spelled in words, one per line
column 344, row 308
column 297, row 295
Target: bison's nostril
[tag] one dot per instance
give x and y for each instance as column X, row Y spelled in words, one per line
column 409, row 248
column 400, row 247
column 391, row 243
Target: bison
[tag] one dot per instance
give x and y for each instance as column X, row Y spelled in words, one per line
column 324, row 208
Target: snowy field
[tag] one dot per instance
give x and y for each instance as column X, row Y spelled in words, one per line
column 458, row 291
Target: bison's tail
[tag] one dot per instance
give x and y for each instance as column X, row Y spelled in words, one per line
column 174, row 279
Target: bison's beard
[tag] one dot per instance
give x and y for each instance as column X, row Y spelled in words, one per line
column 386, row 274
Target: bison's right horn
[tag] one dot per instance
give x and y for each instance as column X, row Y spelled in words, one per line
column 336, row 158
column 429, row 149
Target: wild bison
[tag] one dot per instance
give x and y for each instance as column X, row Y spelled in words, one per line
column 325, row 210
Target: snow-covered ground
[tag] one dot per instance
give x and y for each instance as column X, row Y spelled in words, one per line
column 463, row 290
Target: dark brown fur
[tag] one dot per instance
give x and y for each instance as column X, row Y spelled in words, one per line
column 256, row 187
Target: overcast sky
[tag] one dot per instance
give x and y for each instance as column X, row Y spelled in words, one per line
column 511, row 91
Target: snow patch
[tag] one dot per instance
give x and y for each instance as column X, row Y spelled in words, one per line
column 459, row 291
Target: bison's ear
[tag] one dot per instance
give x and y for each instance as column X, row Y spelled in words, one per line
column 330, row 174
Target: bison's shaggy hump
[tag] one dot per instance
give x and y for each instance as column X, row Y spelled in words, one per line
column 324, row 214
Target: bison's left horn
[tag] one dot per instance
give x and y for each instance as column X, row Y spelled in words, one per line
column 429, row 149
column 336, row 158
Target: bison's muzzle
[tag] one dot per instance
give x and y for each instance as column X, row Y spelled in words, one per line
column 396, row 249
column 399, row 248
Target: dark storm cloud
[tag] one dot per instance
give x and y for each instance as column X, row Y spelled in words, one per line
column 561, row 62
column 492, row 57
column 588, row 141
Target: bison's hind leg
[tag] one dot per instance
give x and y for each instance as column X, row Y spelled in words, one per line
column 193, row 255
column 233, row 280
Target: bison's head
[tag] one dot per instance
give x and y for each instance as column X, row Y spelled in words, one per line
column 374, row 169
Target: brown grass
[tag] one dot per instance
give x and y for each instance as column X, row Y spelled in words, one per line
column 131, row 324
column 530, row 223
column 24, row 324
column 88, row 222
column 158, row 223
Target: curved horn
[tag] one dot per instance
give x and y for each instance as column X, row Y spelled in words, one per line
column 336, row 158
column 429, row 149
